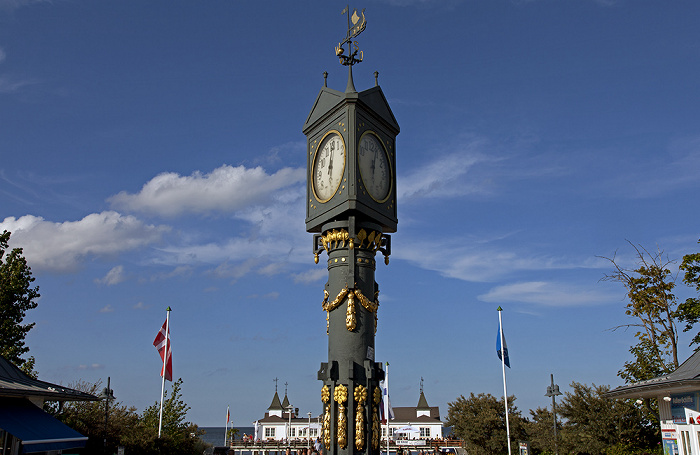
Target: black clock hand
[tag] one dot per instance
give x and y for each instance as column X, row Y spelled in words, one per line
column 330, row 164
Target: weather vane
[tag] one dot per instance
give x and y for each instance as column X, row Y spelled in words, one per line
column 356, row 25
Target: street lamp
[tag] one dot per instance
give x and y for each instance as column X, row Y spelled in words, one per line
column 553, row 391
column 290, row 408
column 106, row 394
column 308, row 436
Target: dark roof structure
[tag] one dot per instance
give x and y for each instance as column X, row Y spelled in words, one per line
column 17, row 384
column 422, row 403
column 408, row 414
column 276, row 405
column 684, row 379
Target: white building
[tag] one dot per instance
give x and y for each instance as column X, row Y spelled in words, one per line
column 421, row 422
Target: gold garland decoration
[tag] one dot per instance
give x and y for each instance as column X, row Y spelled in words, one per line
column 350, row 315
column 340, row 395
column 326, row 427
column 376, row 433
column 360, row 397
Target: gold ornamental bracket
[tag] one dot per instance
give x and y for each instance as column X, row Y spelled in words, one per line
column 375, row 241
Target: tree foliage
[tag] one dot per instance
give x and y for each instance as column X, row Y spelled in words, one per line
column 480, row 421
column 138, row 434
column 17, row 296
column 654, row 308
column 594, row 424
column 540, row 431
column 689, row 311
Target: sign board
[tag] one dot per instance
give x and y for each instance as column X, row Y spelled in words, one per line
column 410, row 442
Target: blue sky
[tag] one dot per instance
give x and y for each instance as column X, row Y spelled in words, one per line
column 151, row 155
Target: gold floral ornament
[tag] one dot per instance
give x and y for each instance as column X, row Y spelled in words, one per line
column 340, row 395
column 335, row 239
column 330, row 306
column 350, row 314
column 326, row 427
column 376, row 433
column 360, row 397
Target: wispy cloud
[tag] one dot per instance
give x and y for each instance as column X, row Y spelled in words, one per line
column 114, row 276
column 107, row 309
column 92, row 366
column 477, row 261
column 225, row 189
column 62, row 247
column 548, row 294
column 141, row 306
column 446, row 175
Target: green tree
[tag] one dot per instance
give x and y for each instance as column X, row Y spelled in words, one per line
column 654, row 307
column 138, row 434
column 689, row 311
column 480, row 421
column 88, row 418
column 17, row 296
column 540, row 431
column 595, row 425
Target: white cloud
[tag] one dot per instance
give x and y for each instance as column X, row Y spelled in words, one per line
column 93, row 366
column 475, row 260
column 114, row 276
column 107, row 309
column 445, row 177
column 11, row 5
column 547, row 294
column 226, row 189
column 64, row 246
column 141, row 306
column 9, row 85
column 311, row 276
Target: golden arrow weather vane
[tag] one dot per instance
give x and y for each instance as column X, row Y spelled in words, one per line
column 356, row 25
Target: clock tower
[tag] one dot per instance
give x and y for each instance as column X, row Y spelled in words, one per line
column 351, row 210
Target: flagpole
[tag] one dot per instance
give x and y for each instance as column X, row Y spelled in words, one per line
column 503, row 367
column 226, row 427
column 165, row 359
column 386, row 406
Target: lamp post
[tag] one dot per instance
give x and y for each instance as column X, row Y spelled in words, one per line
column 107, row 394
column 308, row 436
column 553, row 391
column 290, row 408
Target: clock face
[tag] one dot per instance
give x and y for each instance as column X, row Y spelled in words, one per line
column 329, row 166
column 374, row 167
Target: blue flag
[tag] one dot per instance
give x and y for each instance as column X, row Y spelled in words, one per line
column 505, row 346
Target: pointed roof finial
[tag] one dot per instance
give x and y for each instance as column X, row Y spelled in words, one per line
column 275, row 384
column 325, row 78
column 351, row 84
column 376, row 78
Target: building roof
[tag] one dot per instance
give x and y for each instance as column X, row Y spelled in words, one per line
column 422, row 403
column 686, row 378
column 408, row 414
column 15, row 383
column 285, row 402
column 276, row 405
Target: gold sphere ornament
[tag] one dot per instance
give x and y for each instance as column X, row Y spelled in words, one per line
column 315, row 258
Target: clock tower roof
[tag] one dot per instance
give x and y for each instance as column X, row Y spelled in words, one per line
column 329, row 100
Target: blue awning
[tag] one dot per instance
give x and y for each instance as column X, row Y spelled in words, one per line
column 38, row 431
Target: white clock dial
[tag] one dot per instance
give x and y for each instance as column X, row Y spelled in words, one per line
column 329, row 166
column 374, row 167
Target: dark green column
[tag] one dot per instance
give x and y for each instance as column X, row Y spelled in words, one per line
column 351, row 376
